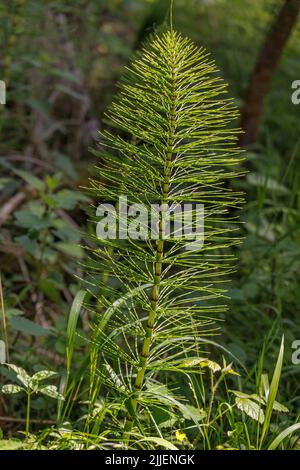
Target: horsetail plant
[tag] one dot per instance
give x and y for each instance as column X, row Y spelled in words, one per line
column 169, row 146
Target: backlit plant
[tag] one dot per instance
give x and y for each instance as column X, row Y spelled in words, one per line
column 158, row 301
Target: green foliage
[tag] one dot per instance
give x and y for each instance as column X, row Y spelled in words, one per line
column 59, row 84
column 178, row 149
column 31, row 385
column 72, row 325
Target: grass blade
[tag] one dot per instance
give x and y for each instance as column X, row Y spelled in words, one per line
column 287, row 432
column 71, row 329
column 272, row 392
column 4, row 323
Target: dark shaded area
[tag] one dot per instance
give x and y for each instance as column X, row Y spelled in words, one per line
column 267, row 62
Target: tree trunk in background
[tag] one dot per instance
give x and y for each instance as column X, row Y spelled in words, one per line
column 262, row 75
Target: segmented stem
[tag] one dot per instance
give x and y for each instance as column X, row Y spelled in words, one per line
column 146, row 347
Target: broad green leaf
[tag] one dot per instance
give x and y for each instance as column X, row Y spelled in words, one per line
column 160, row 442
column 66, row 232
column 43, row 374
column 11, row 388
column 21, row 374
column 27, row 326
column 251, row 408
column 212, row 365
column 70, row 249
column 51, row 391
column 287, row 432
column 31, row 180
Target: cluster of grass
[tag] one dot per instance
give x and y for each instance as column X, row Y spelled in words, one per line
column 72, row 333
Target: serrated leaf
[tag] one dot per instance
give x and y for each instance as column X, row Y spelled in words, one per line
column 232, row 372
column 279, row 407
column 212, row 365
column 51, row 391
column 27, row 326
column 70, row 249
column 191, row 362
column 283, row 435
column 256, row 179
column 42, row 375
column 251, row 408
column 21, row 374
column 167, row 96
column 11, row 388
column 31, row 180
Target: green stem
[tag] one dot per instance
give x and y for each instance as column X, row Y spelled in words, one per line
column 171, row 15
column 146, row 346
column 212, row 395
column 15, row 20
column 4, row 322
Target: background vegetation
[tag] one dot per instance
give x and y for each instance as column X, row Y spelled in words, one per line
column 61, row 62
